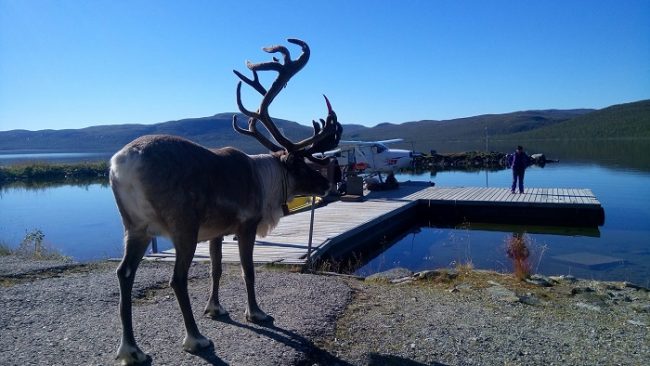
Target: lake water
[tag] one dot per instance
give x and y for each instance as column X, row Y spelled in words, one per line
column 83, row 222
column 623, row 241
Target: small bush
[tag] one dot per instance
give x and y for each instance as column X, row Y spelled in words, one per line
column 33, row 247
column 517, row 250
column 5, row 250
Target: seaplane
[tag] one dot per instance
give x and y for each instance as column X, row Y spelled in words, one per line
column 370, row 159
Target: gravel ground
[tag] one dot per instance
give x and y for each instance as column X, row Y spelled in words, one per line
column 484, row 318
column 69, row 317
column 17, row 266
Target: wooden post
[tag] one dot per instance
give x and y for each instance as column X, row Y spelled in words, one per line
column 154, row 245
column 311, row 230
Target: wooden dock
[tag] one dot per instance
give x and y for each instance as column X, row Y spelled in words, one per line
column 340, row 226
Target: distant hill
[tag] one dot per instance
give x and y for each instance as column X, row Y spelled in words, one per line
column 215, row 131
column 631, row 120
column 421, row 135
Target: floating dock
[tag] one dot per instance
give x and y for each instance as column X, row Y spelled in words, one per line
column 341, row 227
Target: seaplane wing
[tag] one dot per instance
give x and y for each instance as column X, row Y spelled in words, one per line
column 353, row 143
column 327, row 154
column 391, row 141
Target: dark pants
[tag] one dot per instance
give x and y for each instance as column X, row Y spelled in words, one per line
column 518, row 175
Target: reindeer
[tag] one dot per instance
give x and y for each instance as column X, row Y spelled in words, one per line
column 169, row 186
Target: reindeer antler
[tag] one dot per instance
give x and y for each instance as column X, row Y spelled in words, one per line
column 326, row 135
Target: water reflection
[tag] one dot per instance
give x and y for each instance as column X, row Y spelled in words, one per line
column 8, row 157
column 84, row 183
column 422, row 248
column 618, row 250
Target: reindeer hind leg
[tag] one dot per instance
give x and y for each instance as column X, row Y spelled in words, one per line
column 135, row 245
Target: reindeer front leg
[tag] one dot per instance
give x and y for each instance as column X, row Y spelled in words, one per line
column 213, row 309
column 246, row 239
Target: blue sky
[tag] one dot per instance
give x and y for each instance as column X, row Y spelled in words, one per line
column 72, row 64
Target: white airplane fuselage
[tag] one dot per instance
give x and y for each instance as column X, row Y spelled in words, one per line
column 375, row 159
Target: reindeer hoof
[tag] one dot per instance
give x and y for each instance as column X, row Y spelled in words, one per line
column 258, row 316
column 196, row 344
column 131, row 355
column 214, row 312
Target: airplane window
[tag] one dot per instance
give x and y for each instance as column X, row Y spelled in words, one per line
column 380, row 148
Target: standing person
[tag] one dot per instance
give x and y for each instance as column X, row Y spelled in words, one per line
column 519, row 161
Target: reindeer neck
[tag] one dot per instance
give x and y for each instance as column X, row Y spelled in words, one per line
column 274, row 178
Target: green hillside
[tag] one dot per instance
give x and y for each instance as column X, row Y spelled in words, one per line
column 630, row 120
column 423, row 135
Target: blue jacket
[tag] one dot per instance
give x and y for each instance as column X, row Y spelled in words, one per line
column 518, row 161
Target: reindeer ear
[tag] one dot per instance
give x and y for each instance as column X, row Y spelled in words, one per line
column 289, row 159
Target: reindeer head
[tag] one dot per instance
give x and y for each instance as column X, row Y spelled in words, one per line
column 326, row 136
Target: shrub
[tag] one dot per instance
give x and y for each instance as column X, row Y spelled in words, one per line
column 517, row 250
column 33, row 247
column 4, row 249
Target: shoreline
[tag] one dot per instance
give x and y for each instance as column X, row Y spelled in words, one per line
column 441, row 317
column 44, row 172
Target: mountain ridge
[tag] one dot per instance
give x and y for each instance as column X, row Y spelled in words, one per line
column 624, row 120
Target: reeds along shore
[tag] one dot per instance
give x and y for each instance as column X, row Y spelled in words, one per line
column 43, row 174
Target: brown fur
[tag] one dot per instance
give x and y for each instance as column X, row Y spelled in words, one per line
column 167, row 185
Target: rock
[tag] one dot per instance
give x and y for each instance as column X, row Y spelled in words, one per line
column 439, row 274
column 636, row 322
column 431, row 273
column 635, row 286
column 564, row 278
column 588, row 306
column 403, row 280
column 530, row 299
column 390, row 275
column 641, row 308
column 502, row 294
column 581, row 290
column 539, row 280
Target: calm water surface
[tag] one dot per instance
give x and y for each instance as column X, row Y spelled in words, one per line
column 83, row 222
column 623, row 241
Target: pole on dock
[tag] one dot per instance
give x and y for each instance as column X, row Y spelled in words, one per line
column 311, row 230
column 487, row 151
column 154, row 245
